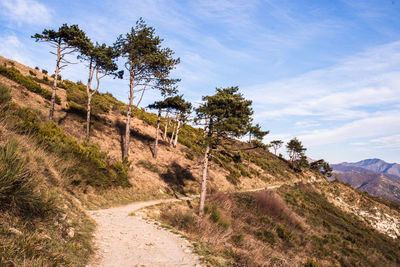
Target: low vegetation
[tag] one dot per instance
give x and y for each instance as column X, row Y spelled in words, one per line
column 26, row 81
column 295, row 226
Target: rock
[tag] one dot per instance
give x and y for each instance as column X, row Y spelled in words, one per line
column 15, row 231
column 71, row 232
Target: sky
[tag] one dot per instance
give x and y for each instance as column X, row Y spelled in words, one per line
column 324, row 71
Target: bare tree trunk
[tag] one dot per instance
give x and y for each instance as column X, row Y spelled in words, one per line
column 53, row 94
column 172, row 134
column 89, row 107
column 166, row 126
column 248, row 162
column 158, row 129
column 177, row 132
column 128, row 118
column 89, row 100
column 140, row 100
column 203, row 191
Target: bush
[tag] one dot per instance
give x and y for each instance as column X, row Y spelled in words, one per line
column 19, row 190
column 5, row 95
column 27, row 82
column 311, row 263
column 217, row 217
column 36, row 68
column 32, row 73
column 44, row 72
column 266, row 236
column 45, row 79
column 189, row 156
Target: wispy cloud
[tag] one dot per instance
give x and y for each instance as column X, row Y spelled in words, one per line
column 345, row 91
column 26, row 11
column 380, row 124
column 11, row 47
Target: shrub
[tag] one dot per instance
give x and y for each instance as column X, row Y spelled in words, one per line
column 189, row 156
column 311, row 263
column 20, row 191
column 32, row 73
column 271, row 204
column 266, row 236
column 36, row 68
column 45, row 79
column 44, row 71
column 217, row 217
column 27, row 82
column 5, row 95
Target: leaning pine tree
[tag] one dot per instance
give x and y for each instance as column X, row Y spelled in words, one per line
column 148, row 64
column 227, row 114
column 101, row 62
column 67, row 40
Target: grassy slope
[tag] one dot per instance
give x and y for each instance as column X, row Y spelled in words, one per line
column 176, row 171
column 40, row 223
column 294, row 226
column 99, row 179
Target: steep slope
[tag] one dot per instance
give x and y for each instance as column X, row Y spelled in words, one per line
column 176, row 170
column 301, row 225
column 92, row 175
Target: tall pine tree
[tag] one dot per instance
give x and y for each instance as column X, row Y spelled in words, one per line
column 148, row 64
column 66, row 40
column 227, row 114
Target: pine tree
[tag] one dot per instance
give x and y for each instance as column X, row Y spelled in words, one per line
column 148, row 65
column 66, row 40
column 101, row 59
column 227, row 114
column 276, row 144
column 295, row 149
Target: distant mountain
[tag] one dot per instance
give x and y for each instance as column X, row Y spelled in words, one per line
column 392, row 170
column 374, row 176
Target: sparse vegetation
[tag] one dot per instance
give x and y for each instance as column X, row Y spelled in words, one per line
column 27, row 82
column 296, row 223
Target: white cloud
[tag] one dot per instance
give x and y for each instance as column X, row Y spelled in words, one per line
column 26, row 11
column 11, row 47
column 380, row 124
column 345, row 91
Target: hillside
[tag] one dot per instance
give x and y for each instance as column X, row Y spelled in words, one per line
column 55, row 176
column 373, row 176
column 391, row 170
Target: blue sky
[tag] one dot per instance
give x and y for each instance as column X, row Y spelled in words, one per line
column 325, row 71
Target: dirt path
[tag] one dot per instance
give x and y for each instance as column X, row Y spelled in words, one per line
column 124, row 240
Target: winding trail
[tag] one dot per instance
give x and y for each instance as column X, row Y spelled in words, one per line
column 124, row 240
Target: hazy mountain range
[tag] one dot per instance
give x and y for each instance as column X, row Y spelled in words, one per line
column 374, row 176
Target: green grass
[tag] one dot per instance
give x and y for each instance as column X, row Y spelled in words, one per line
column 26, row 81
column 90, row 166
column 35, row 217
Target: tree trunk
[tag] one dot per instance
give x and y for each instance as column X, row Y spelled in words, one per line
column 172, row 134
column 166, row 126
column 89, row 107
column 275, row 151
column 248, row 162
column 89, row 100
column 157, row 130
column 128, row 119
column 53, row 94
column 177, row 132
column 204, row 181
